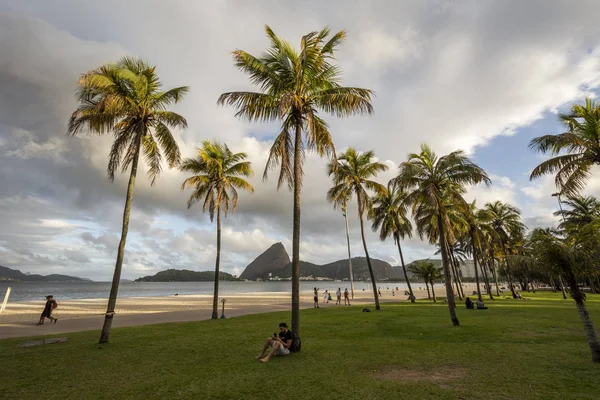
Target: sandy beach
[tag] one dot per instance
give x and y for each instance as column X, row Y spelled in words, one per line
column 19, row 319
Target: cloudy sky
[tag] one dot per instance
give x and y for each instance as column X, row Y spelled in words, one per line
column 482, row 76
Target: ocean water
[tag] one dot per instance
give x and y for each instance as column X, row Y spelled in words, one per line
column 24, row 291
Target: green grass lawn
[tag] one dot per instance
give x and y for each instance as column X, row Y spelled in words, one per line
column 530, row 349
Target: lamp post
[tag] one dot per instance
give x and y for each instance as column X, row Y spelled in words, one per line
column 562, row 214
column 223, row 308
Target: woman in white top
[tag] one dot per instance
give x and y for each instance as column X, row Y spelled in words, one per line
column 326, row 297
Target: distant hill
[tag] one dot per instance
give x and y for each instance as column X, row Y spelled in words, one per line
column 185, row 275
column 339, row 270
column 275, row 261
column 272, row 259
column 14, row 275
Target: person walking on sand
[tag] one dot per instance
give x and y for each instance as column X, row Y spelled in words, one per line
column 346, row 297
column 326, row 297
column 316, row 298
column 338, row 296
column 47, row 313
column 280, row 344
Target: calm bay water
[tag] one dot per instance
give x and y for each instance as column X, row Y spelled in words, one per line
column 99, row 290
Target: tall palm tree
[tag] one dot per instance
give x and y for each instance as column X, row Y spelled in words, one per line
column 437, row 184
column 427, row 271
column 557, row 253
column 218, row 173
column 575, row 151
column 389, row 217
column 294, row 87
column 126, row 99
column 506, row 221
column 351, row 172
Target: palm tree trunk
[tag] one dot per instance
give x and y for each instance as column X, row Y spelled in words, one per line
column 362, row 234
column 492, row 268
column 412, row 296
column 588, row 326
column 114, row 289
column 485, row 276
column 510, row 284
column 296, row 240
column 451, row 304
column 455, row 274
column 433, row 292
column 349, row 257
column 427, row 287
column 562, row 287
column 215, row 311
column 475, row 265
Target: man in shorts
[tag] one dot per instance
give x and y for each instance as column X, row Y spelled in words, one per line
column 280, row 344
column 316, row 298
column 47, row 313
column 346, row 297
column 338, row 295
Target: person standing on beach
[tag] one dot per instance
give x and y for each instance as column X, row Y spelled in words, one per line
column 47, row 313
column 338, row 295
column 326, row 296
column 346, row 297
column 316, row 297
column 280, row 344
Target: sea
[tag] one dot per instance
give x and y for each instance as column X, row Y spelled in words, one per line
column 25, row 291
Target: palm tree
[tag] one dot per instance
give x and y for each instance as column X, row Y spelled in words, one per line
column 351, row 172
column 427, row 271
column 125, row 99
column 506, row 221
column 389, row 217
column 581, row 143
column 557, row 253
column 435, row 185
column 294, row 87
column 218, row 173
column 581, row 211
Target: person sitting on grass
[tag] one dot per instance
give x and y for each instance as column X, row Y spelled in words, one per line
column 480, row 305
column 47, row 313
column 469, row 304
column 280, row 345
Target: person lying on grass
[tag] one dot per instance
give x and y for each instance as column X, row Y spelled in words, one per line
column 280, row 345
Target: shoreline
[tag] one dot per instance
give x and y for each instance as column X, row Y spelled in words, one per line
column 19, row 319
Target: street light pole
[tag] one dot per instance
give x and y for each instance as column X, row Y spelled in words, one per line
column 345, row 213
column 562, row 214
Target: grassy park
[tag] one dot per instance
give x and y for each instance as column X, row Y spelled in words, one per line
column 529, row 349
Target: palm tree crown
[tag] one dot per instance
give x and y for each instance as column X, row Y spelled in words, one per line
column 126, row 99
column 218, row 173
column 351, row 173
column 294, row 87
column 575, row 151
column 389, row 213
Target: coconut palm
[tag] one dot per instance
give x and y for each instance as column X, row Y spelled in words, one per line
column 427, row 271
column 578, row 212
column 575, row 151
column 437, row 184
column 218, row 173
column 474, row 219
column 126, row 99
column 294, row 87
column 557, row 253
column 389, row 217
column 506, row 221
column 351, row 172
